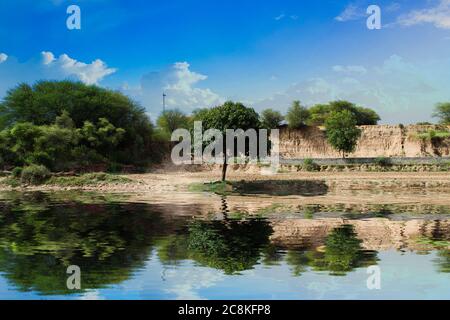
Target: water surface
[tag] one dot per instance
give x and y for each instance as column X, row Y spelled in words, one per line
column 150, row 251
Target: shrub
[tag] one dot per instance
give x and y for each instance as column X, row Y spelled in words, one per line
column 310, row 165
column 383, row 162
column 34, row 174
column 17, row 172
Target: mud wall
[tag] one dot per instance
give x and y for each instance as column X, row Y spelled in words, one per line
column 375, row 141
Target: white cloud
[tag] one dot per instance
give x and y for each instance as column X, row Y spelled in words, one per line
column 3, row 57
column 89, row 73
column 47, row 67
column 179, row 83
column 351, row 12
column 439, row 16
column 350, row 69
column 47, row 57
column 399, row 90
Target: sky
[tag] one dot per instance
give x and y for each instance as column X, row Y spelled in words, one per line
column 263, row 53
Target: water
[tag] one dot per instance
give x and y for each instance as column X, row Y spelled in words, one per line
column 150, row 251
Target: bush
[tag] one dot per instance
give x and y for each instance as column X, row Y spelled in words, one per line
column 34, row 174
column 17, row 172
column 383, row 162
column 309, row 165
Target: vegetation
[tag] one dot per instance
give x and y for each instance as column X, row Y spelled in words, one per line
column 297, row 115
column 171, row 120
column 34, row 174
column 309, row 165
column 88, row 179
column 342, row 131
column 431, row 135
column 442, row 112
column 233, row 116
column 64, row 124
column 271, row 119
column 321, row 112
column 382, row 161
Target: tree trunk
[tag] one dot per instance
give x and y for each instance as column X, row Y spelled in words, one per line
column 224, row 169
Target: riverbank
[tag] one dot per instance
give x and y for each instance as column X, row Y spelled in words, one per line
column 163, row 181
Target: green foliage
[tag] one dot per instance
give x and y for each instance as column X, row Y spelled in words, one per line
column 17, row 172
column 297, row 115
column 89, row 179
column 271, row 119
column 230, row 115
column 320, row 113
column 442, row 112
column 342, row 131
column 34, row 174
column 383, row 161
column 57, row 113
column 310, row 165
column 431, row 135
column 170, row 121
column 41, row 236
column 233, row 246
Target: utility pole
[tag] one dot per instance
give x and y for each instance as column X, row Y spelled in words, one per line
column 164, row 103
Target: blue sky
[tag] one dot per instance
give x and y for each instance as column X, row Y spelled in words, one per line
column 264, row 53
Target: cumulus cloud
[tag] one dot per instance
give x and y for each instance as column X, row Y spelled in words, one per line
column 351, row 12
column 48, row 67
column 399, row 90
column 438, row 15
column 179, row 83
column 89, row 73
column 3, row 57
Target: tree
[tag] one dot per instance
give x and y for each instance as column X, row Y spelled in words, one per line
column 171, row 120
column 48, row 101
column 442, row 111
column 271, row 119
column 320, row 112
column 342, row 132
column 297, row 115
column 233, row 116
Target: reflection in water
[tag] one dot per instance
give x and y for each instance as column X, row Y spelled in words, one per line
column 282, row 187
column 115, row 243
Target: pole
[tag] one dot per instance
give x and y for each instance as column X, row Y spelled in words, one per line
column 164, row 103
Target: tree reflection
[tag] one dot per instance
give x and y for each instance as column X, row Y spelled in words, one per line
column 38, row 240
column 232, row 246
column 342, row 253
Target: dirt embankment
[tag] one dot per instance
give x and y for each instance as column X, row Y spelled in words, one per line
column 375, row 141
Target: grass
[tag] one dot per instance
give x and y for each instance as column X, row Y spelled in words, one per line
column 433, row 134
column 218, row 187
column 88, row 179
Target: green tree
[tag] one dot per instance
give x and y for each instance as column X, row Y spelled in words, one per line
column 297, row 115
column 171, row 120
column 48, row 101
column 442, row 112
column 271, row 119
column 233, row 116
column 342, row 131
column 320, row 113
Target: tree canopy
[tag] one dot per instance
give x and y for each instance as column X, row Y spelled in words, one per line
column 297, row 115
column 319, row 113
column 342, row 131
column 442, row 112
column 271, row 119
column 230, row 115
column 41, row 119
